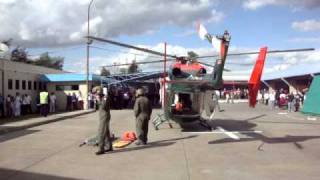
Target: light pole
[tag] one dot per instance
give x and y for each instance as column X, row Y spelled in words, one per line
column 88, row 55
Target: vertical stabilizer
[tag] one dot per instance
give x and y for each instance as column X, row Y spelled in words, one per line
column 254, row 82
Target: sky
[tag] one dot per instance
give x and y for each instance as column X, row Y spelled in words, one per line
column 59, row 27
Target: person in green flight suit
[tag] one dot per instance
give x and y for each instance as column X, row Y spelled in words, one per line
column 104, row 123
column 142, row 112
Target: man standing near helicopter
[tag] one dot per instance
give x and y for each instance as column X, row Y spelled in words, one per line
column 104, row 122
column 142, row 111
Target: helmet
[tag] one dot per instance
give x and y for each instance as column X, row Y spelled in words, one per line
column 97, row 90
column 139, row 92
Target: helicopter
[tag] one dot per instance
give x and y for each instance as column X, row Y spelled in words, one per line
column 187, row 88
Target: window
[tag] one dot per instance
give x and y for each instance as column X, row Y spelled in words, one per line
column 40, row 86
column 9, row 83
column 75, row 87
column 44, row 86
column 24, row 84
column 17, row 84
column 67, row 88
column 29, row 85
column 35, row 85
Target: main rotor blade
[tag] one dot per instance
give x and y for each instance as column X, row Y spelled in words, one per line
column 129, row 46
column 142, row 62
column 273, row 51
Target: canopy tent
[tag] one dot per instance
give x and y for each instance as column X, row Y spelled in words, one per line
column 312, row 102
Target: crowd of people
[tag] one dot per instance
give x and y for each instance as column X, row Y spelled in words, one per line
column 44, row 103
column 15, row 106
column 274, row 98
column 283, row 99
column 75, row 101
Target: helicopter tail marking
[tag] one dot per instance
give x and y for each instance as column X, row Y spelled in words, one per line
column 254, row 82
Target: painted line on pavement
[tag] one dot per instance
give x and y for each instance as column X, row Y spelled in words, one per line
column 228, row 133
column 219, row 132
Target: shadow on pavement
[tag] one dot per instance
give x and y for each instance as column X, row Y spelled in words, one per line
column 17, row 134
column 154, row 144
column 16, row 174
column 269, row 140
column 227, row 124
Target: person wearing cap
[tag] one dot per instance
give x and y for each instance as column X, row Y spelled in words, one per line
column 142, row 111
column 104, row 123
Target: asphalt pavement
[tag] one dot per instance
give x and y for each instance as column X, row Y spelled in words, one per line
column 246, row 144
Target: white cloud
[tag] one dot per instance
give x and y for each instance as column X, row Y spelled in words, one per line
column 275, row 63
column 307, row 25
column 294, row 4
column 255, row 4
column 304, row 40
column 55, row 22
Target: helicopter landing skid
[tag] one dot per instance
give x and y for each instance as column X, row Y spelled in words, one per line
column 204, row 123
column 158, row 120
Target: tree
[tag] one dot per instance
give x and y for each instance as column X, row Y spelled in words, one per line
column 123, row 70
column 50, row 62
column 105, row 72
column 192, row 56
column 133, row 68
column 19, row 54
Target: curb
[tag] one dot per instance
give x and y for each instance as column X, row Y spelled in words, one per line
column 17, row 128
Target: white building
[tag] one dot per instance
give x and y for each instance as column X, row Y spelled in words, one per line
column 16, row 77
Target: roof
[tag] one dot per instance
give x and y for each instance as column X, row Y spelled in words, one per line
column 293, row 71
column 67, row 77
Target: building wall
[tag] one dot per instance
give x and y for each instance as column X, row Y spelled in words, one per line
column 22, row 73
column 62, row 95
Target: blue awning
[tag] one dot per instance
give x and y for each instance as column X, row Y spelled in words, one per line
column 68, row 77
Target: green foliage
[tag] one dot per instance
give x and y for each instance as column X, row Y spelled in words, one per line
column 133, row 68
column 105, row 72
column 192, row 56
column 123, row 70
column 19, row 54
column 51, row 62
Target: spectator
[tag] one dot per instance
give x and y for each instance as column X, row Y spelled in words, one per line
column 24, row 105
column 17, row 105
column 69, row 102
column 227, row 95
column 272, row 100
column 80, row 101
column 232, row 96
column 290, row 102
column 1, row 106
column 90, row 101
column 266, row 97
column 9, row 106
column 28, row 107
column 297, row 102
column 74, row 101
column 277, row 98
column 44, row 100
column 53, row 100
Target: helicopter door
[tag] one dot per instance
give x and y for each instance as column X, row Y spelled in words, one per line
column 186, row 101
column 208, row 103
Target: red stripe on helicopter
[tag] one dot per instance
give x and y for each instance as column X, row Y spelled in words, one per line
column 254, row 82
column 189, row 67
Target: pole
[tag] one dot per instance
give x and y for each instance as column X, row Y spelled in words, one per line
column 88, row 56
column 164, row 75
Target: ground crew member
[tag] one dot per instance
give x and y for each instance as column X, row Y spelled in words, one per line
column 44, row 96
column 142, row 112
column 104, row 123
